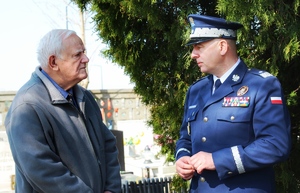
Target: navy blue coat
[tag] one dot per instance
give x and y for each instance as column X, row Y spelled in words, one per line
column 245, row 124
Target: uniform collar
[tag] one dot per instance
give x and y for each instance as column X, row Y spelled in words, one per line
column 225, row 76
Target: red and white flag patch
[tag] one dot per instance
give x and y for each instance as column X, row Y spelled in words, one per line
column 276, row 100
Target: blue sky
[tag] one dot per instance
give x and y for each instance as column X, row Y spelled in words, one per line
column 24, row 22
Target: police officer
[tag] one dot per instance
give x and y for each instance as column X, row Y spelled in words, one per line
column 233, row 131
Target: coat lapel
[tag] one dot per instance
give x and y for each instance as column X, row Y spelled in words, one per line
column 205, row 96
column 227, row 87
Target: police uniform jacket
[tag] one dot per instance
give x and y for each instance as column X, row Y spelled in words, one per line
column 244, row 124
column 56, row 147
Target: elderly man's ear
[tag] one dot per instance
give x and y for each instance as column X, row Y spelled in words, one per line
column 52, row 62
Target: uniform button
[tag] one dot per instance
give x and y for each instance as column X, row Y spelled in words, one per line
column 202, row 179
column 232, row 118
column 229, row 173
column 203, row 139
column 205, row 119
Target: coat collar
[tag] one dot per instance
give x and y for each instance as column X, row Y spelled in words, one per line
column 55, row 96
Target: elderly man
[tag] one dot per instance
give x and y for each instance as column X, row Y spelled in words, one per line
column 54, row 126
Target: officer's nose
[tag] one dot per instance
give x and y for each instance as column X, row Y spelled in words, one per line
column 194, row 54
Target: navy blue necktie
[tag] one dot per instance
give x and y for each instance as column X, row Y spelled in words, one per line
column 217, row 84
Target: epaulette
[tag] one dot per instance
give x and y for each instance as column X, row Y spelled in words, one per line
column 258, row 72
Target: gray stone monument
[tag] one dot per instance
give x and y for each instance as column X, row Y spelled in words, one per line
column 7, row 165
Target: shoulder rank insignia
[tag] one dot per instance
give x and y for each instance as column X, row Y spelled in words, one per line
column 265, row 74
column 243, row 90
column 236, row 102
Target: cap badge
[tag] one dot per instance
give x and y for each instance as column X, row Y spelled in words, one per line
column 235, row 77
column 191, row 21
column 243, row 90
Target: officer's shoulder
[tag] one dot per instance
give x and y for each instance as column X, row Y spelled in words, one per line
column 259, row 73
column 199, row 80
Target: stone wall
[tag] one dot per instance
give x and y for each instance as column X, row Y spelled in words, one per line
column 5, row 101
column 120, row 105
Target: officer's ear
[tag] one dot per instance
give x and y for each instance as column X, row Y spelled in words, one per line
column 223, row 46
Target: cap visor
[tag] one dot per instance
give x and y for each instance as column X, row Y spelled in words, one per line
column 197, row 41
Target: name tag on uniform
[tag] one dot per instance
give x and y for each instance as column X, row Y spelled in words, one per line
column 236, row 102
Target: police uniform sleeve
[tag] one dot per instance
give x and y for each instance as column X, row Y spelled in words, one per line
column 183, row 144
column 271, row 128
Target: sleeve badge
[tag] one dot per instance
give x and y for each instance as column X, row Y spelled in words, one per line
column 276, row 100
